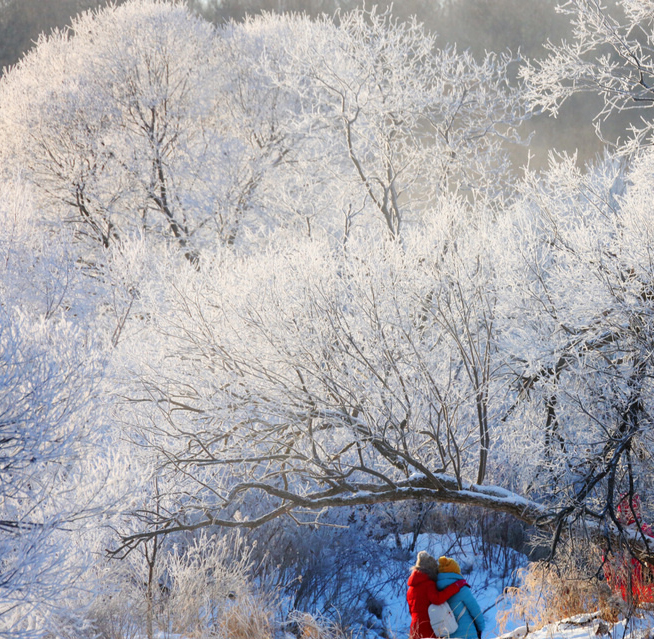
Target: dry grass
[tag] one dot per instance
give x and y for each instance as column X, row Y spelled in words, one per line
column 550, row 593
column 310, row 627
column 249, row 618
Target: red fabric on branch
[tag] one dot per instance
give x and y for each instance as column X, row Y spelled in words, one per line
column 627, row 576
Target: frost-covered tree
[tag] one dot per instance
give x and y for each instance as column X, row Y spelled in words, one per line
column 317, row 373
column 53, row 470
column 153, row 122
column 109, row 141
column 599, row 378
column 49, row 483
column 579, row 336
column 610, row 54
column 502, row 363
column 317, row 378
column 386, row 121
column 318, row 282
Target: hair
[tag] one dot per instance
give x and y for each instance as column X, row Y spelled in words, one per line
column 427, row 564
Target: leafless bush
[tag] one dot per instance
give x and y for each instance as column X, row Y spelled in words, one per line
column 121, row 608
column 208, row 580
column 201, row 589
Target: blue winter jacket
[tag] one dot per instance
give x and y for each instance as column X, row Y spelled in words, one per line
column 472, row 617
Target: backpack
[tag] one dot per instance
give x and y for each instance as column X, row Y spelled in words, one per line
column 442, row 619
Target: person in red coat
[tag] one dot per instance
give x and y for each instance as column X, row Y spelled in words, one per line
column 422, row 592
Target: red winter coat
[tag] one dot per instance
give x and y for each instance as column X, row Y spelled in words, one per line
column 421, row 593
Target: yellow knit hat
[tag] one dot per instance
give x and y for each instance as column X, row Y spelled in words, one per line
column 445, row 564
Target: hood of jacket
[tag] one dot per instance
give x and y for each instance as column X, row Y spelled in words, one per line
column 447, row 578
column 416, row 578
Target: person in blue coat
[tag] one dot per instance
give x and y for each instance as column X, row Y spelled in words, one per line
column 463, row 603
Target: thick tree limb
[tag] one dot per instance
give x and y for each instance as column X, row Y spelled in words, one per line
column 440, row 488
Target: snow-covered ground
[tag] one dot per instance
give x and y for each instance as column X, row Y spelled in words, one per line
column 589, row 626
